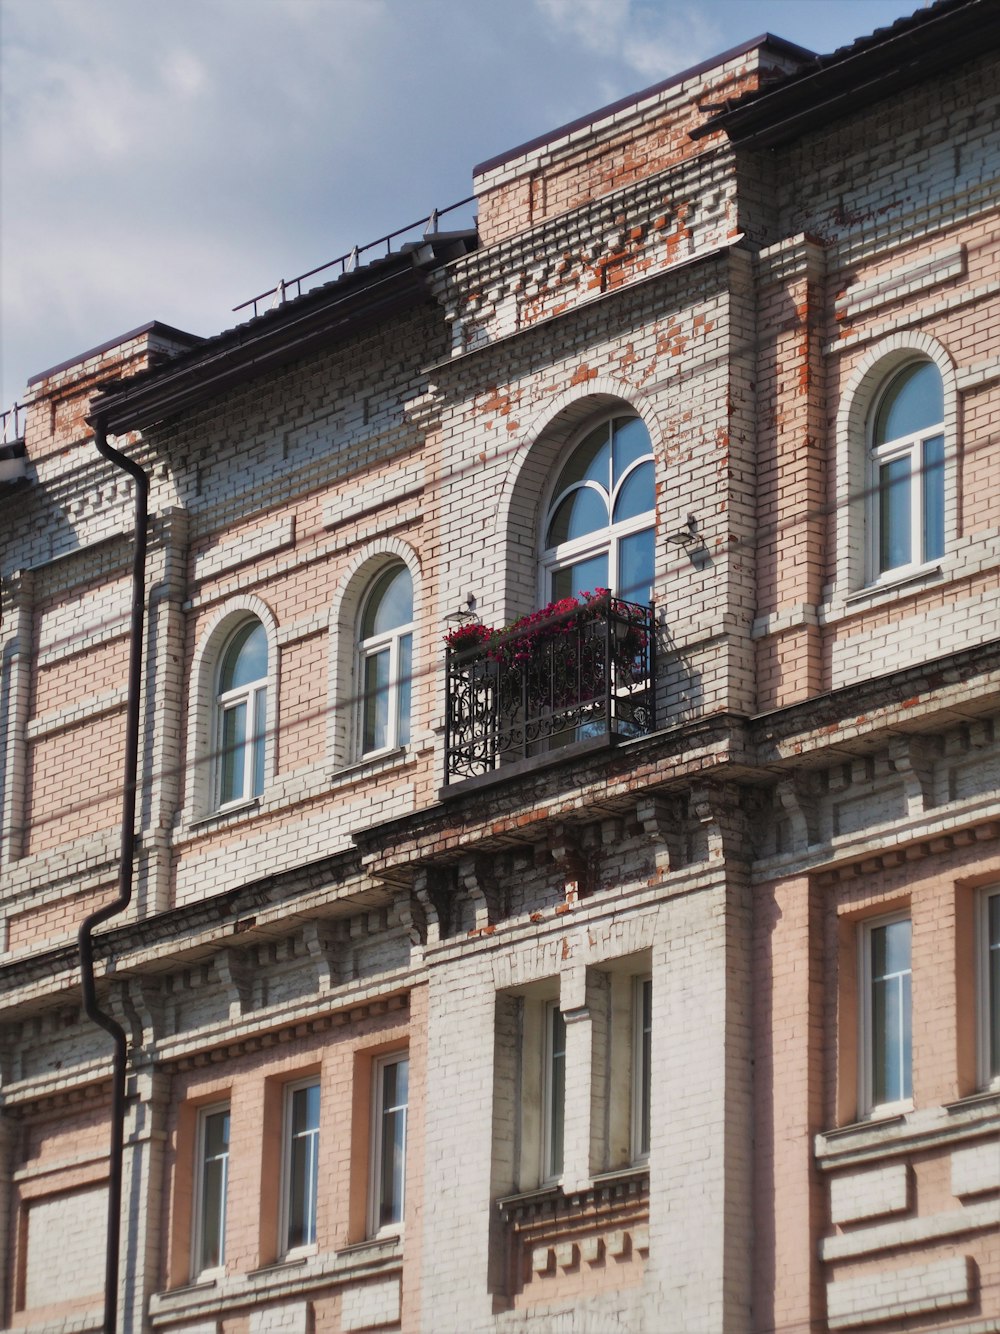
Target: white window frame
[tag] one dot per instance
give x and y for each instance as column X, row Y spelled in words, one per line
column 306, row 1247
column 641, row 1068
column 376, row 1228
column 252, row 697
column 198, row 1270
column 909, row 447
column 988, row 1015
column 867, row 1051
column 391, row 641
column 604, row 541
column 551, row 1172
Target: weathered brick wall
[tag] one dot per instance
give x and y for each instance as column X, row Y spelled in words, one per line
column 631, row 143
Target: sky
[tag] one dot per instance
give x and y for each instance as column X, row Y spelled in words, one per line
column 168, row 159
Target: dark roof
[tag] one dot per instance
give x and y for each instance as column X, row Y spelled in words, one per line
column 154, row 326
column 938, row 37
column 776, row 44
column 352, row 302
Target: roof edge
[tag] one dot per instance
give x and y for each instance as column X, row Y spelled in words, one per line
column 766, row 39
column 153, row 326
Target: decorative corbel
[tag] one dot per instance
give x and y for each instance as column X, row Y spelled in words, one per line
column 567, row 848
column 797, row 798
column 323, row 946
column 661, row 822
column 717, row 809
column 236, row 976
column 434, row 891
column 477, row 877
column 912, row 757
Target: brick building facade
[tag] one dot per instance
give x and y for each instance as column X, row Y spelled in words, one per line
column 638, row 969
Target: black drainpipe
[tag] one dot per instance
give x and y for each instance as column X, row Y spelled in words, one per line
column 125, row 868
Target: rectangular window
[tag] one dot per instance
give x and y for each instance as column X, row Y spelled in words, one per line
column 554, row 1092
column 209, row 1249
column 390, row 1096
column 885, row 1010
column 642, row 1051
column 988, row 935
column 301, row 1162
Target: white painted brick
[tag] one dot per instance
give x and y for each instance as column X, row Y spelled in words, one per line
column 370, row 1305
column 976, row 1169
column 885, row 1190
column 66, row 1247
column 894, row 1294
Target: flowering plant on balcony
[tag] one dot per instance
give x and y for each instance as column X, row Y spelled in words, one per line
column 471, row 636
column 557, row 653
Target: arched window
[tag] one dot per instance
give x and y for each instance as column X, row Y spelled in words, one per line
column 241, row 710
column 906, row 470
column 385, row 647
column 598, row 528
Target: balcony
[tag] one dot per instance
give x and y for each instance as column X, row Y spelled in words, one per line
column 574, row 672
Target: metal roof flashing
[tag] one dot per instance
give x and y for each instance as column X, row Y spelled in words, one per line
column 350, row 303
column 934, row 38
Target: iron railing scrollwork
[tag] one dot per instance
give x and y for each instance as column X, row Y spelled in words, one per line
column 587, row 673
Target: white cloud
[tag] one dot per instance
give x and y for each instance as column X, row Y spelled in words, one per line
column 167, row 160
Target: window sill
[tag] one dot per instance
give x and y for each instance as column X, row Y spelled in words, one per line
column 370, row 765
column 866, row 1142
column 225, row 815
column 384, row 1243
column 291, row 1279
column 901, row 581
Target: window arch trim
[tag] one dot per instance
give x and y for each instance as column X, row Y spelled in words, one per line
column 589, row 546
column 203, row 752
column 855, row 571
column 367, row 564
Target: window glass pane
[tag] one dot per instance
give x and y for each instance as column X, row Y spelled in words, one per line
column 302, row 1166
column 260, row 727
column 584, row 576
column 993, row 981
column 646, row 1049
column 403, row 688
column 631, row 442
column 635, row 567
column 894, row 513
column 933, row 497
column 891, row 1012
column 215, row 1166
column 390, row 603
column 913, row 401
column 583, row 511
column 589, row 461
column 392, row 1164
column 234, row 735
column 376, row 711
column 245, row 658
column 637, row 494
column 557, row 1090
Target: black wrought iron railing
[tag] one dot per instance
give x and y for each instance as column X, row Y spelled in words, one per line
column 576, row 676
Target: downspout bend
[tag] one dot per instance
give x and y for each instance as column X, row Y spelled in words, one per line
column 125, row 871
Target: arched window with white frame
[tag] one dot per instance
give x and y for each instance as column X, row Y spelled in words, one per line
column 906, row 471
column 385, row 653
column 241, row 715
column 599, row 524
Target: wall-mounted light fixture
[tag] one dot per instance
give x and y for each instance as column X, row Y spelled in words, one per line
column 687, row 536
column 465, row 611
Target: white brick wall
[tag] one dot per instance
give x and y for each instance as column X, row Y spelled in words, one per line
column 894, row 1294
column 885, row 1190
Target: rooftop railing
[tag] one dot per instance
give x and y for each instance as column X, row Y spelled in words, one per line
column 560, row 677
column 12, row 424
column 288, row 289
